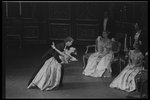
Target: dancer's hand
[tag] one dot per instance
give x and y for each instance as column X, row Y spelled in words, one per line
column 53, row 45
column 125, row 50
column 74, row 59
column 99, row 38
column 100, row 56
column 146, row 54
column 112, row 39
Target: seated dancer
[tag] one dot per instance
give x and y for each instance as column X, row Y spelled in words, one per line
column 50, row 75
column 99, row 62
column 126, row 79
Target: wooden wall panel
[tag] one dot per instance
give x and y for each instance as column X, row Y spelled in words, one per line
column 29, row 10
column 31, row 32
column 87, row 32
column 81, row 20
column 59, row 11
column 87, row 11
column 59, row 31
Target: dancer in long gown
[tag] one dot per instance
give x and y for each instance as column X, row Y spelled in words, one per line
column 126, row 79
column 49, row 76
column 100, row 60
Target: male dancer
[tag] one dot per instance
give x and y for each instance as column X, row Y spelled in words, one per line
column 61, row 46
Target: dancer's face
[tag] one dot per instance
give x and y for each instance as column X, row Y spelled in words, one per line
column 136, row 25
column 69, row 43
column 104, row 34
column 72, row 49
column 135, row 45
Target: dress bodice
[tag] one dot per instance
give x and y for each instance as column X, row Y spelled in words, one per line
column 103, row 44
column 100, row 46
column 135, row 57
column 65, row 59
column 107, row 44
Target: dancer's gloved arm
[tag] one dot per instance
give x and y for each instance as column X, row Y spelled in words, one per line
column 72, row 58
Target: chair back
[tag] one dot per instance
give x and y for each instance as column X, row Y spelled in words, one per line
column 116, row 46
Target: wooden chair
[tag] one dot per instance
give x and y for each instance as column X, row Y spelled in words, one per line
column 15, row 32
column 87, row 53
column 116, row 51
column 123, row 60
column 142, row 90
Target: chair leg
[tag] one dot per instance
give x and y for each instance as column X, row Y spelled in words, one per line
column 83, row 62
column 124, row 63
column 119, row 65
column 120, row 60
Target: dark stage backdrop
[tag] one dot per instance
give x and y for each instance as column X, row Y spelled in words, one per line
column 44, row 22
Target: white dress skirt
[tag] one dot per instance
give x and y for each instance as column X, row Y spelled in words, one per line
column 97, row 66
column 126, row 79
column 103, row 65
column 92, row 64
column 48, row 77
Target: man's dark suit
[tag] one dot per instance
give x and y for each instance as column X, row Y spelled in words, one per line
column 143, row 38
column 48, row 55
column 110, row 26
